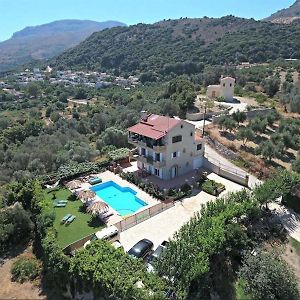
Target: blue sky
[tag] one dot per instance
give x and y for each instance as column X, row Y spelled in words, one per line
column 17, row 14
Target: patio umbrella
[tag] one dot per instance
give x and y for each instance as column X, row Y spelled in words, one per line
column 98, row 208
column 74, row 184
column 86, row 195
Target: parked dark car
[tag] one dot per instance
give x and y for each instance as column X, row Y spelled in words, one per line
column 155, row 255
column 141, row 249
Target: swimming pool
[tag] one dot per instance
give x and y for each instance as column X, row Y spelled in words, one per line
column 121, row 199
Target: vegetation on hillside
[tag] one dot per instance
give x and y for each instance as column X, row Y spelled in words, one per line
column 182, row 46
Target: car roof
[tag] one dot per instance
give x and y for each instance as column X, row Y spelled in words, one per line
column 106, row 232
column 140, row 246
column 157, row 251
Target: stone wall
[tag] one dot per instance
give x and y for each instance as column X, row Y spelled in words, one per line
column 199, row 116
column 250, row 114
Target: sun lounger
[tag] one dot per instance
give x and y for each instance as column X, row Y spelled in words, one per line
column 60, row 204
column 65, row 218
column 53, row 186
column 61, row 201
column 94, row 180
column 105, row 216
column 70, row 220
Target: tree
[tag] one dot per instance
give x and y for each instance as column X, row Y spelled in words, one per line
column 115, row 137
column 266, row 193
column 15, row 226
column 259, row 125
column 268, row 277
column 80, row 93
column 271, row 85
column 63, row 97
column 296, row 165
column 33, row 90
column 227, row 122
column 267, row 150
column 239, row 117
column 245, row 134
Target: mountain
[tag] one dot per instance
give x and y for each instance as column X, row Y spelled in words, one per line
column 46, row 41
column 181, row 46
column 287, row 15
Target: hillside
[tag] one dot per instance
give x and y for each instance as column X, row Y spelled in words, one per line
column 46, row 41
column 182, row 46
column 287, row 15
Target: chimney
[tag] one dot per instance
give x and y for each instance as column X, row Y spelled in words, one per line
column 144, row 115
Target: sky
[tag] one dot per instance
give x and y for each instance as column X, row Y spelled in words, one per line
column 17, row 14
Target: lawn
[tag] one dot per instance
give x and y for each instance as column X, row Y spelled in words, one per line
column 239, row 290
column 83, row 225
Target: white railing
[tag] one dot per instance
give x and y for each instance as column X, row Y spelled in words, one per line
column 143, row 215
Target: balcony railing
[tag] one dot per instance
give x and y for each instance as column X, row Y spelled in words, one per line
column 144, row 142
column 149, row 160
column 159, row 149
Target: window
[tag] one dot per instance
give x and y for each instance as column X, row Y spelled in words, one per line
column 176, row 139
column 157, row 156
column 199, row 147
column 224, row 84
column 143, row 151
column 174, row 154
column 230, row 84
column 191, row 133
column 181, row 126
column 156, row 172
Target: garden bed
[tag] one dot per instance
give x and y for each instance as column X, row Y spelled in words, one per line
column 212, row 187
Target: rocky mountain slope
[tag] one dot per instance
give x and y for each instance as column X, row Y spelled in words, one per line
column 287, row 15
column 46, row 41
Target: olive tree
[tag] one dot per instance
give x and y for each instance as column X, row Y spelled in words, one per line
column 267, row 277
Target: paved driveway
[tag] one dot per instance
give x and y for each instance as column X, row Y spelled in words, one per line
column 289, row 219
column 163, row 226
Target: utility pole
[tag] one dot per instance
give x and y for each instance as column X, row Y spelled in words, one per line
column 204, row 116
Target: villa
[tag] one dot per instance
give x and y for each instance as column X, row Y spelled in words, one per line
column 167, row 147
column 225, row 89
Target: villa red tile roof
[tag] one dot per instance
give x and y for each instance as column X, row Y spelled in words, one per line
column 155, row 127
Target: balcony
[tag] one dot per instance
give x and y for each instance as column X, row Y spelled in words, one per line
column 159, row 149
column 149, row 160
column 142, row 159
column 141, row 141
column 159, row 164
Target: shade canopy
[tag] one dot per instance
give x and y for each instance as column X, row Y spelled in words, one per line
column 74, row 184
column 86, row 195
column 98, row 208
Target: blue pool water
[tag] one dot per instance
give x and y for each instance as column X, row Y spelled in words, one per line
column 121, row 199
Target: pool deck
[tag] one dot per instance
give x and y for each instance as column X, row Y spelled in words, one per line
column 108, row 176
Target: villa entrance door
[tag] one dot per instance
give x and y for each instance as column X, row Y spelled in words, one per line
column 213, row 94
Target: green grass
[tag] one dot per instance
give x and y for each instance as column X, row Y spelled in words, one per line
column 239, row 291
column 295, row 244
column 83, row 225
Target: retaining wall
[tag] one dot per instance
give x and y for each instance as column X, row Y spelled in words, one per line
column 227, row 172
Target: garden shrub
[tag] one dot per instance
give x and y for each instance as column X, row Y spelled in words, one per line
column 25, row 269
